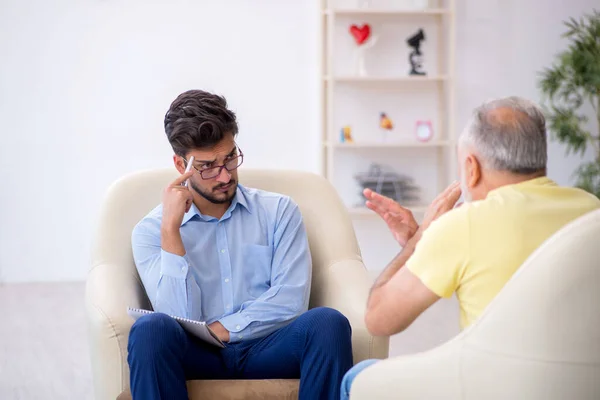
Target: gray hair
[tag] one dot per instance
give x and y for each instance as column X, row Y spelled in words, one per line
column 509, row 134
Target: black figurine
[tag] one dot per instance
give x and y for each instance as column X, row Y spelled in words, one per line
column 415, row 57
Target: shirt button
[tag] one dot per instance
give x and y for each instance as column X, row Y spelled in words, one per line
column 182, row 269
column 241, row 336
column 226, row 280
column 228, row 305
column 237, row 327
column 222, row 250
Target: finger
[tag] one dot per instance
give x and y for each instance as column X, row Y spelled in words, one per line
column 373, row 207
column 385, row 203
column 449, row 201
column 381, row 200
column 450, row 188
column 445, row 192
column 182, row 178
column 454, row 196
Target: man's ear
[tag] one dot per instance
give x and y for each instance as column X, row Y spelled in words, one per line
column 179, row 163
column 473, row 169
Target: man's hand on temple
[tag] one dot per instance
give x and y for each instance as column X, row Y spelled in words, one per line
column 399, row 220
column 177, row 200
column 220, row 331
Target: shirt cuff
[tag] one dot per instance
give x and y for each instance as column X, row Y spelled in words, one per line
column 173, row 265
column 235, row 324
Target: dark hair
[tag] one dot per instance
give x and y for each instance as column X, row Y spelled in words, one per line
column 197, row 119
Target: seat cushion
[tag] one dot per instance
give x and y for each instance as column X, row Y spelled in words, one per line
column 268, row 389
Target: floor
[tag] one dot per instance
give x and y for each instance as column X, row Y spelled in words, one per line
column 43, row 346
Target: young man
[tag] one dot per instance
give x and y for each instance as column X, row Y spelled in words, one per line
column 235, row 257
column 511, row 208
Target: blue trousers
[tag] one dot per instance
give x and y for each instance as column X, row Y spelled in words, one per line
column 315, row 347
column 350, row 375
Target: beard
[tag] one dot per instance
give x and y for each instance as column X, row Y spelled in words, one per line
column 214, row 196
column 464, row 189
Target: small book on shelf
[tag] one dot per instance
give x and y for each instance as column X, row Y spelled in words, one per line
column 198, row 329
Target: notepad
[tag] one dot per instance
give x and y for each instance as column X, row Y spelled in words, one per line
column 197, row 328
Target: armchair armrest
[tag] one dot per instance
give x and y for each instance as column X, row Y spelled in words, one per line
column 110, row 289
column 345, row 286
column 434, row 374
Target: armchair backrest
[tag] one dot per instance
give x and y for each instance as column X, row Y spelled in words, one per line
column 540, row 336
column 329, row 227
column 549, row 308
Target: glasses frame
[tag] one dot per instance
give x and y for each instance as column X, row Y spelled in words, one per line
column 219, row 167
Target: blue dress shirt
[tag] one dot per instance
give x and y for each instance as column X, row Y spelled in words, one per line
column 249, row 270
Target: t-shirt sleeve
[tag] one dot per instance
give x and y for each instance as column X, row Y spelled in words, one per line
column 442, row 254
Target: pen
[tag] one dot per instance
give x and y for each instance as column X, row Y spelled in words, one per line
column 187, row 169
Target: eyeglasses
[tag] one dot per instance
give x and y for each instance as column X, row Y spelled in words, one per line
column 230, row 165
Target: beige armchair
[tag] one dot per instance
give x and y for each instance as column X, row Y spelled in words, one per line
column 538, row 339
column 340, row 279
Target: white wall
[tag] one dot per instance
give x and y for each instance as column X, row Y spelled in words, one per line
column 84, row 86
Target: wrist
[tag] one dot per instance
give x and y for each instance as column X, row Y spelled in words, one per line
column 170, row 240
column 412, row 243
column 219, row 330
column 169, row 228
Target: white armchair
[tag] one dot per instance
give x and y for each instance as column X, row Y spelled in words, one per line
column 340, row 279
column 538, row 339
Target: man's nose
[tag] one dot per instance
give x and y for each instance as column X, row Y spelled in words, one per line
column 224, row 176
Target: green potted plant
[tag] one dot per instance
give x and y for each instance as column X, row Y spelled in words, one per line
column 571, row 83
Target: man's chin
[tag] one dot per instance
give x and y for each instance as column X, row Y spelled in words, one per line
column 222, row 198
column 217, row 196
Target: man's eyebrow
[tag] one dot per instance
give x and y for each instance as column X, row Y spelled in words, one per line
column 212, row 161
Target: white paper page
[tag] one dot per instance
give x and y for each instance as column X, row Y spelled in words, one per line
column 196, row 328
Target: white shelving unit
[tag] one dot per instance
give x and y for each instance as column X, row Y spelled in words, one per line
column 348, row 96
column 360, row 12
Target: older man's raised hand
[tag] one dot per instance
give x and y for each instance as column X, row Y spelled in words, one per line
column 399, row 220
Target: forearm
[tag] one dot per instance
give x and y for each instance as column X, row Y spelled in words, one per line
column 179, row 296
column 396, row 264
column 271, row 311
column 166, row 276
column 170, row 240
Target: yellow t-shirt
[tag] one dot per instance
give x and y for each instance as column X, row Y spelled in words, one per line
column 475, row 249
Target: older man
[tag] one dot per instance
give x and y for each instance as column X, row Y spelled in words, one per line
column 511, row 208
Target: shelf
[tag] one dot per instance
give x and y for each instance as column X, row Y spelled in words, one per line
column 380, row 79
column 377, row 145
column 365, row 212
column 390, row 80
column 352, row 12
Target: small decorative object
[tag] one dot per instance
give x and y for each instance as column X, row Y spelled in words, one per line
column 360, row 34
column 424, row 131
column 415, row 58
column 386, row 124
column 346, row 135
column 364, row 40
column 384, row 181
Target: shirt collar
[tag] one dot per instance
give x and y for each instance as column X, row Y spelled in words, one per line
column 540, row 181
column 190, row 214
column 239, row 198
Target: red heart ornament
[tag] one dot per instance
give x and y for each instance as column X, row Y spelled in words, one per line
column 361, row 34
